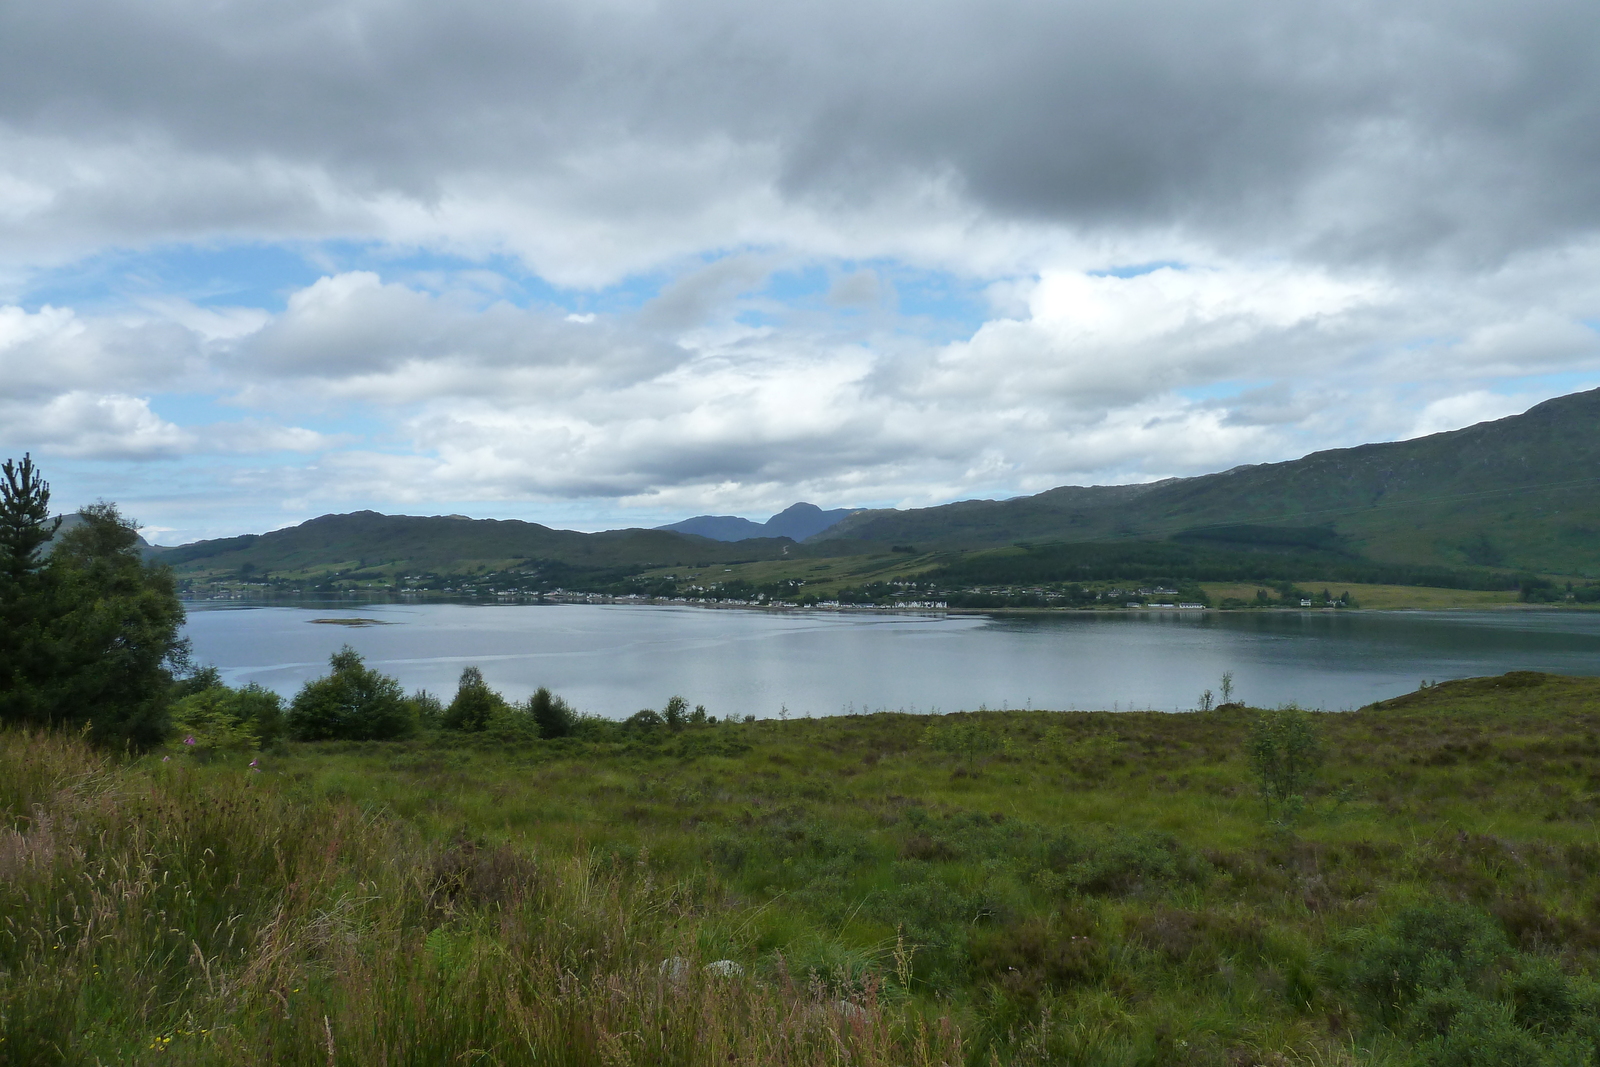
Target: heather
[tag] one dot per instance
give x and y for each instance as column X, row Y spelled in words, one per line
column 1420, row 884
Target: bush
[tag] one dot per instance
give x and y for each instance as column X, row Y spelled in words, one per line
column 1285, row 753
column 474, row 704
column 1423, row 949
column 1124, row 863
column 963, row 735
column 428, row 709
column 219, row 718
column 353, row 703
column 511, row 724
column 554, row 717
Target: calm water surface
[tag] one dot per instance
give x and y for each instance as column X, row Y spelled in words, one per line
column 615, row 659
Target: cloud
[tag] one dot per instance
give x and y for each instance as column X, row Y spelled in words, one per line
column 81, row 425
column 53, row 349
column 705, row 255
column 596, row 139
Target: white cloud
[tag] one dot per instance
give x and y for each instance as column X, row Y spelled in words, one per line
column 81, row 425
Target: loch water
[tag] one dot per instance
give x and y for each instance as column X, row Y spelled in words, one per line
column 613, row 659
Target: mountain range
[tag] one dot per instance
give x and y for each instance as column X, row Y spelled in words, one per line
column 1517, row 493
column 796, row 522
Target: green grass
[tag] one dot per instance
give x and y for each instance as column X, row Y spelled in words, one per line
column 1011, row 887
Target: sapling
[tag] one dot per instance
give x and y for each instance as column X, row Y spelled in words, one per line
column 1285, row 753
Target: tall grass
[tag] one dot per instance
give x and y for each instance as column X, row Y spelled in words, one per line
column 991, row 888
column 177, row 914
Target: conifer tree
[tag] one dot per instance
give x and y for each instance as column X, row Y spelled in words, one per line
column 89, row 633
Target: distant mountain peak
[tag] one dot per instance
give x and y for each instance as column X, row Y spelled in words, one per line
column 796, row 522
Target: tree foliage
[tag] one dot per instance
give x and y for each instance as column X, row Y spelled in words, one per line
column 352, row 703
column 221, row 718
column 89, row 633
column 1285, row 754
column 554, row 716
column 475, row 704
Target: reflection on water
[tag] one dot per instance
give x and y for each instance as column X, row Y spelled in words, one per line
column 615, row 659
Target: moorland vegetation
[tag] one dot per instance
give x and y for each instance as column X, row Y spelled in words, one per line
column 1413, row 883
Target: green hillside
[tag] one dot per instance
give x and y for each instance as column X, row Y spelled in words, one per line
column 1491, row 500
column 1517, row 493
column 384, row 545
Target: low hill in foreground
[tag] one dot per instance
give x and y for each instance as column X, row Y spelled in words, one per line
column 1518, row 493
column 1017, row 887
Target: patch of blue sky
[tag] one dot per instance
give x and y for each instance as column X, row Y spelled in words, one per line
column 1134, row 270
column 263, row 275
column 223, row 275
column 935, row 305
column 1223, row 390
column 192, row 410
column 1557, row 384
column 932, row 304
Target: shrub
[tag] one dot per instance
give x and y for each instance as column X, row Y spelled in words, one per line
column 428, row 709
column 512, row 725
column 1125, row 863
column 554, row 716
column 474, row 704
column 353, row 703
column 1285, row 753
column 1477, row 1032
column 220, row 718
column 963, row 735
column 1424, row 949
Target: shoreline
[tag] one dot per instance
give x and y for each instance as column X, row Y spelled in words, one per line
column 357, row 599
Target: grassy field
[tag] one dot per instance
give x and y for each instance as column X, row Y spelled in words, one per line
column 1016, row 887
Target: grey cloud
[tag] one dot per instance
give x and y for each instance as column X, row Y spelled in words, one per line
column 690, row 299
column 355, row 327
column 1349, row 131
column 861, row 288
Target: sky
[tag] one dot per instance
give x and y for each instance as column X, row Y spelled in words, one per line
column 617, row 262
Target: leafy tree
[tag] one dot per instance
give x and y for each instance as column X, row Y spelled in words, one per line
column 474, row 704
column 219, row 717
column 352, row 703
column 554, row 716
column 89, row 634
column 428, row 709
column 676, row 713
column 1285, row 753
column 116, row 641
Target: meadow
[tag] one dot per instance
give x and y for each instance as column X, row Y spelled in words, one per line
column 982, row 888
